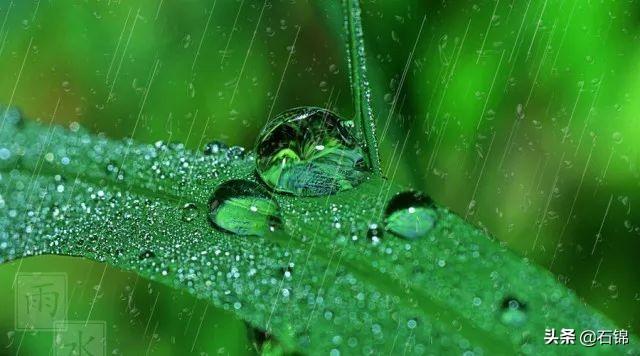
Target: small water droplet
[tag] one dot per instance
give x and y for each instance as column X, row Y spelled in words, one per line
column 214, row 147
column 236, row 152
column 5, row 154
column 146, row 255
column 189, row 212
column 374, row 233
column 412, row 323
column 309, row 152
column 513, row 312
column 115, row 171
column 244, row 208
column 617, row 137
column 410, row 215
column 11, row 116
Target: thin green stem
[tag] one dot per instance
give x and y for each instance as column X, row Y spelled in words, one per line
column 364, row 121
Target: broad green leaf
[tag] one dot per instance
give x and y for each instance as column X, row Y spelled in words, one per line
column 317, row 283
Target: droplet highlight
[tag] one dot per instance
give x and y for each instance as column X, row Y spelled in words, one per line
column 410, row 215
column 310, row 152
column 244, row 208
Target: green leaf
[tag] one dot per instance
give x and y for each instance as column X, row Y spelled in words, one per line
column 317, row 284
column 364, row 120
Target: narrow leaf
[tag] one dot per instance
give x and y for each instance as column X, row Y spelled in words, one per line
column 364, row 120
column 317, row 283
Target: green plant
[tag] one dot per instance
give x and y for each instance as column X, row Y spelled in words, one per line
column 344, row 271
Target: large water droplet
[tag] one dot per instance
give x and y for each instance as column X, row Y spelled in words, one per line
column 310, row 152
column 410, row 215
column 513, row 312
column 244, row 208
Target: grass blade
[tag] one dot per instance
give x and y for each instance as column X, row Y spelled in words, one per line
column 318, row 284
column 364, row 120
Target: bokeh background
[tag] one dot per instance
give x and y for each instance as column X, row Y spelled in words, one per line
column 522, row 116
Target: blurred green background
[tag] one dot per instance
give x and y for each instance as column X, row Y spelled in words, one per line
column 522, row 116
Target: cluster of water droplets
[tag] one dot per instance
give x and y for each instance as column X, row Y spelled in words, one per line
column 309, row 152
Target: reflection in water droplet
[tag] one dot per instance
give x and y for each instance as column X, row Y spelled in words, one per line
column 189, row 212
column 309, row 152
column 244, row 208
column 513, row 312
column 410, row 215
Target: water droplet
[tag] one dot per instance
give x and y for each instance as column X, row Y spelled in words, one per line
column 146, row 255
column 410, row 215
column 214, row 147
column 236, row 152
column 309, row 152
column 513, row 312
column 11, row 116
column 5, row 154
column 189, row 212
column 617, row 137
column 244, row 208
column 115, row 171
column 412, row 323
column 374, row 234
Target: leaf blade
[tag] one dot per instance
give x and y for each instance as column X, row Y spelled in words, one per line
column 341, row 290
column 365, row 122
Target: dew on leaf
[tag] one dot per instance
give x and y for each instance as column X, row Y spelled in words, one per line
column 189, row 212
column 236, row 152
column 5, row 154
column 309, row 152
column 410, row 215
column 115, row 170
column 146, row 255
column 11, row 116
column 374, row 233
column 513, row 312
column 214, row 147
column 412, row 323
column 244, row 208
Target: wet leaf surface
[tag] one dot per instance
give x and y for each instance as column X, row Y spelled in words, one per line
column 316, row 284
